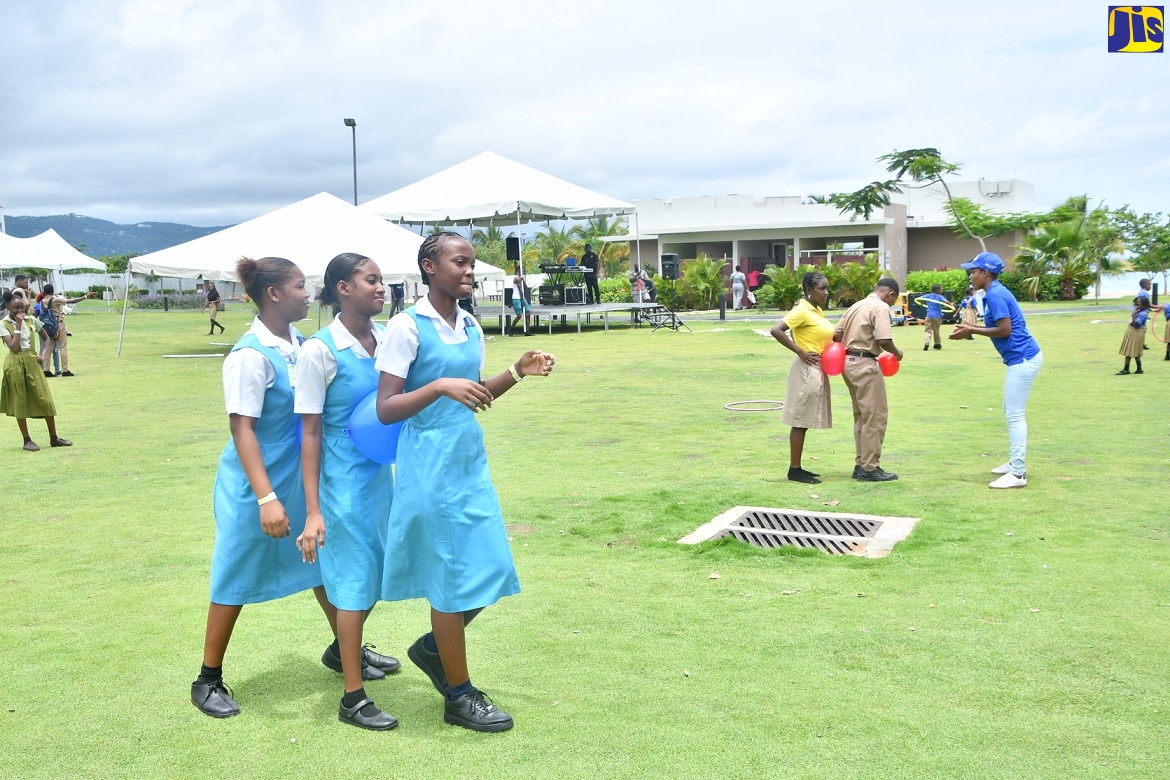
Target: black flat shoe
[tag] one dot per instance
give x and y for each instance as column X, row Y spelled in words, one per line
column 1122, row 372
column 214, row 699
column 475, row 711
column 67, row 373
column 332, row 661
column 800, row 475
column 377, row 721
column 386, row 663
column 877, row 475
column 57, row 441
column 430, row 663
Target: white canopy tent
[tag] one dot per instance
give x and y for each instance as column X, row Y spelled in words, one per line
column 47, row 251
column 491, row 188
column 310, row 233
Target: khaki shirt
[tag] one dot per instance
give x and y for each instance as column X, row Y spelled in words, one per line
column 865, row 324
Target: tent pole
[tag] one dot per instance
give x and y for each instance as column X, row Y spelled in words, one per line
column 125, row 300
column 638, row 243
column 524, row 285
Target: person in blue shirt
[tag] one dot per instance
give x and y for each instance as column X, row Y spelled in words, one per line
column 1003, row 323
column 1134, row 339
column 934, row 301
column 1144, row 292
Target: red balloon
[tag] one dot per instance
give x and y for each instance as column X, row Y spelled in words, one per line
column 833, row 358
column 888, row 364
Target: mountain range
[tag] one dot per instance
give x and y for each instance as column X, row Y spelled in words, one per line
column 99, row 238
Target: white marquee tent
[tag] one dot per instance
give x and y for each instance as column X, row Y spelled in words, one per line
column 489, row 187
column 48, row 251
column 310, row 233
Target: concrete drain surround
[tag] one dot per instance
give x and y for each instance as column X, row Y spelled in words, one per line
column 870, row 536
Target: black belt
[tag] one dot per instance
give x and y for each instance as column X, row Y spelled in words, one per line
column 860, row 353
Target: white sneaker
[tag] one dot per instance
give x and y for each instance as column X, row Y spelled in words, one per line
column 1009, row 481
column 1004, row 469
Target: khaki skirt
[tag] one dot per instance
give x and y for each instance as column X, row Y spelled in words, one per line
column 1132, row 343
column 1166, row 334
column 25, row 393
column 970, row 317
column 806, row 400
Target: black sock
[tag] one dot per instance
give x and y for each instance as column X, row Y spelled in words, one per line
column 353, row 697
column 455, row 692
column 209, row 674
column 429, row 642
column 335, row 648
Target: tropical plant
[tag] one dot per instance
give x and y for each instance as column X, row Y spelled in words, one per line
column 553, row 244
column 702, row 281
column 781, row 290
column 1058, row 249
column 1148, row 238
column 615, row 267
column 857, row 280
column 921, row 167
column 489, row 235
column 596, row 228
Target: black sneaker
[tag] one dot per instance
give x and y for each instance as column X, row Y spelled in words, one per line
column 856, row 471
column 332, row 660
column 938, row 346
column 475, row 711
column 877, row 475
column 386, row 663
column 375, row 720
column 430, row 663
column 214, row 699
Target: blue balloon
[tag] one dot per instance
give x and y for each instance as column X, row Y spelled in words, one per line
column 376, row 441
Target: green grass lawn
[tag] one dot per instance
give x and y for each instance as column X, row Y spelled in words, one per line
column 1015, row 634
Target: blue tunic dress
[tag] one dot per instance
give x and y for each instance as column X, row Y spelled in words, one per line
column 248, row 566
column 355, row 492
column 446, row 541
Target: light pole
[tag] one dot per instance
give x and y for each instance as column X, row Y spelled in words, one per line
column 352, row 125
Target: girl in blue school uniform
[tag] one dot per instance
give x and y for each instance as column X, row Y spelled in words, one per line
column 259, row 498
column 347, row 495
column 446, row 540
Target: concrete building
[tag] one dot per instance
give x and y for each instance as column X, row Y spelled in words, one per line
column 912, row 233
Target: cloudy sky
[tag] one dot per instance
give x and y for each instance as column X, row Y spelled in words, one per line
column 215, row 111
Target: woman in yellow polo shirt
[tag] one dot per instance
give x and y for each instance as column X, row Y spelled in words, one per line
column 806, row 332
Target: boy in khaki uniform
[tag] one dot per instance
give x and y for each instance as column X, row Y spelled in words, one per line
column 865, row 332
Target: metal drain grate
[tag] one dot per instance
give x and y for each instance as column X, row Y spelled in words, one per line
column 833, row 533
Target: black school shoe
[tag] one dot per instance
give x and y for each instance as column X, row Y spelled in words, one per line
column 386, row 663
column 877, row 475
column 332, row 661
column 475, row 711
column 214, row 699
column 800, row 475
column 379, row 721
column 430, row 663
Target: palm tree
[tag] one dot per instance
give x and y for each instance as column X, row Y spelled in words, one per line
column 553, row 244
column 482, row 237
column 1057, row 248
column 703, row 280
column 596, row 228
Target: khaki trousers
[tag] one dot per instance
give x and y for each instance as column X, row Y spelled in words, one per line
column 63, row 343
column 932, row 328
column 867, row 389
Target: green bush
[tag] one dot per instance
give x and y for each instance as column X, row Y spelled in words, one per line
column 1049, row 287
column 954, row 283
column 614, row 290
column 781, row 291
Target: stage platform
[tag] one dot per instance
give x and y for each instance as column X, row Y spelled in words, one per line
column 648, row 313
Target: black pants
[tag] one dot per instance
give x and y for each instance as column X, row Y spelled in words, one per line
column 592, row 292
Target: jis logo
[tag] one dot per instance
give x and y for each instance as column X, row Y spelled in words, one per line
column 1137, row 28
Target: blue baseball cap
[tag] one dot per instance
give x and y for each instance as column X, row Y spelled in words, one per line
column 988, row 261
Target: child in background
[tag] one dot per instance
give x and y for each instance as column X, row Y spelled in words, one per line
column 1135, row 335
column 25, row 393
column 446, row 540
column 968, row 310
column 933, row 301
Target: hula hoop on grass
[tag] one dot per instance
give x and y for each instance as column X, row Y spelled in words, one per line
column 754, row 406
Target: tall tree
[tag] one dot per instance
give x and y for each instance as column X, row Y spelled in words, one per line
column 596, row 228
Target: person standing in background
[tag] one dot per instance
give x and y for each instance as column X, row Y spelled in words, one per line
column 397, row 297
column 56, row 304
column 215, row 304
column 738, row 285
column 591, row 262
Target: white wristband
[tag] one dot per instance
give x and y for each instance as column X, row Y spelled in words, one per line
column 515, row 374
column 266, row 499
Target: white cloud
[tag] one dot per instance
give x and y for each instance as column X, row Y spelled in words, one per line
column 211, row 112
